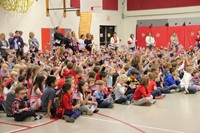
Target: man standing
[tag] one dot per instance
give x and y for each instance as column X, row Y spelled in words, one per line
column 58, row 37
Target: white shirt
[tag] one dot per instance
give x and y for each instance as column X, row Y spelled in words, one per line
column 112, row 41
column 186, row 80
column 81, row 42
column 119, row 91
column 150, row 40
column 132, row 40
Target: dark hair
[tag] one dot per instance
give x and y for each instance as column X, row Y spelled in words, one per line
column 82, row 35
column 18, row 89
column 96, row 69
column 134, row 71
column 80, row 85
column 50, row 80
column 66, row 86
column 144, row 81
column 103, row 75
column 38, row 82
column 171, row 70
column 115, row 76
column 70, row 65
column 92, row 74
column 29, row 73
column 21, row 78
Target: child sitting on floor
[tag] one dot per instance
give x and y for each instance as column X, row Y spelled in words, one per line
column 87, row 106
column 196, row 79
column 65, row 103
column 186, row 81
column 20, row 109
column 121, row 89
column 155, row 92
column 142, row 95
column 99, row 95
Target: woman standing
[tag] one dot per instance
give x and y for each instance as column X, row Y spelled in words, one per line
column 33, row 43
column 3, row 46
column 174, row 40
column 114, row 40
column 88, row 43
column 198, row 40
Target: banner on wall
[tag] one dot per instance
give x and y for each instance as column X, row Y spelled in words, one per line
column 186, row 35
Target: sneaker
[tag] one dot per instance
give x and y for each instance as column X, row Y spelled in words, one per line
column 172, row 91
column 111, row 106
column 38, row 117
column 154, row 101
column 177, row 90
column 67, row 119
column 164, row 95
column 89, row 112
column 127, row 103
column 96, row 111
column 84, row 113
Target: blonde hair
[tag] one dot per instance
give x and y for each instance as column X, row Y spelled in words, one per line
column 122, row 77
column 4, row 65
column 189, row 69
column 31, row 34
column 100, row 82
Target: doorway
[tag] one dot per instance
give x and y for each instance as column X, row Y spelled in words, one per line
column 105, row 34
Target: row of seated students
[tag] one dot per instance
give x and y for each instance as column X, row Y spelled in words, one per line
column 70, row 90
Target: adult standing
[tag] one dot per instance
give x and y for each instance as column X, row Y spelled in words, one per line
column 150, row 41
column 114, row 40
column 198, row 40
column 58, row 37
column 88, row 43
column 3, row 46
column 10, row 40
column 174, row 40
column 131, row 42
column 81, row 42
column 33, row 43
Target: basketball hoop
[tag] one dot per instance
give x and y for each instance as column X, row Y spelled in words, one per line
column 96, row 8
column 91, row 5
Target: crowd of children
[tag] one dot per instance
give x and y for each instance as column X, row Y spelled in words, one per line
column 67, row 83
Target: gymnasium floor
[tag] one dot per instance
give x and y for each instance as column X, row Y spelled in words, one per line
column 178, row 113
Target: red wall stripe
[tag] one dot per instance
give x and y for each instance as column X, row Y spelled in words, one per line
column 107, row 4
column 46, row 39
column 156, row 4
column 110, row 4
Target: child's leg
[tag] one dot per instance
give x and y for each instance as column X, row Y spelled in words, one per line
column 156, row 93
column 73, row 114
column 121, row 100
column 84, row 108
column 104, row 104
column 22, row 116
column 143, row 101
column 192, row 89
column 130, row 97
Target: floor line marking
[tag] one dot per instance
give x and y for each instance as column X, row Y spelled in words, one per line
column 13, row 124
column 155, row 128
column 162, row 129
column 34, row 126
column 125, row 123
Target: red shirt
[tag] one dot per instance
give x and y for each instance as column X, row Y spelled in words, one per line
column 151, row 86
column 141, row 92
column 61, row 82
column 68, row 72
column 66, row 102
